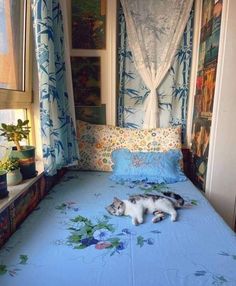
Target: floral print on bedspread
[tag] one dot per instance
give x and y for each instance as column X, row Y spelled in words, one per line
column 77, row 233
column 101, row 235
column 13, row 270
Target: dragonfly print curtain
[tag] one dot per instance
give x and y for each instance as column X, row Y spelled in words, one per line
column 172, row 93
column 57, row 126
column 154, row 31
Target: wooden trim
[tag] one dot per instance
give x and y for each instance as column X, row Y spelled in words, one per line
column 194, row 68
column 221, row 179
column 187, row 163
column 217, row 96
column 21, row 99
column 111, row 62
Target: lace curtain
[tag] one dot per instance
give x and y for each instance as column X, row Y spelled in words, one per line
column 173, row 92
column 154, row 29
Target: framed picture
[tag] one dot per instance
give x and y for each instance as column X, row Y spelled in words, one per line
column 88, row 24
column 201, row 136
column 91, row 114
column 209, row 78
column 212, row 47
column 200, row 149
column 86, row 77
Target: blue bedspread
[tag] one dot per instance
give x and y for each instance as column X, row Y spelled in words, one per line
column 70, row 239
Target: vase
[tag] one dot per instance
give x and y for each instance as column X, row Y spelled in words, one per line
column 3, row 184
column 26, row 157
column 14, row 177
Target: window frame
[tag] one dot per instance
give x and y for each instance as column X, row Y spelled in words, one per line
column 14, row 99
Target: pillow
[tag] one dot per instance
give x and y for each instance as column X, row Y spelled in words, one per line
column 96, row 142
column 152, row 167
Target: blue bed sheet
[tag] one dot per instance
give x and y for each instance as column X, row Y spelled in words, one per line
column 70, row 239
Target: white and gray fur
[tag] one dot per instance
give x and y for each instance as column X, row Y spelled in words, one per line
column 137, row 205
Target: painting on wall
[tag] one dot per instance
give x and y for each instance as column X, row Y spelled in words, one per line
column 205, row 88
column 91, row 114
column 86, row 77
column 208, row 90
column 88, row 24
column 200, row 149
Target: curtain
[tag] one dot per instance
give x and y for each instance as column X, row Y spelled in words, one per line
column 69, row 84
column 57, row 127
column 154, row 31
column 172, row 92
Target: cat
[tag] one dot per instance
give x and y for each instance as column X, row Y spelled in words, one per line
column 137, row 205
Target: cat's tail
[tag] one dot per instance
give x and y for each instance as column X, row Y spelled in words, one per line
column 176, row 197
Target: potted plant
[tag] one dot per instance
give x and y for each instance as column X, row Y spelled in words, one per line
column 12, row 167
column 25, row 154
column 3, row 184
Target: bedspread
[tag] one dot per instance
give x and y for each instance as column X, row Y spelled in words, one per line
column 70, row 239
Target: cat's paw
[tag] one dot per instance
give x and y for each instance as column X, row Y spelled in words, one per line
column 135, row 221
column 158, row 217
column 140, row 220
column 173, row 218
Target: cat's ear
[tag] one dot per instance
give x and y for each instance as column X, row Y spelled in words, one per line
column 117, row 200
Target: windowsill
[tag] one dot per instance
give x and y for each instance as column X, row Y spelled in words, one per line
column 16, row 191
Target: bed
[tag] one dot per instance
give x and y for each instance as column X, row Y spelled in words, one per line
column 70, row 239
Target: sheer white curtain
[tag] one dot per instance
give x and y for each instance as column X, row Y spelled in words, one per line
column 154, row 29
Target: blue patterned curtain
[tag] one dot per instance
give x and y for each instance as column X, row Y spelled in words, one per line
column 172, row 93
column 57, row 127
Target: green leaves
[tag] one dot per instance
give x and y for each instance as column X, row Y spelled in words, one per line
column 15, row 133
column 12, row 270
column 194, row 202
column 115, row 241
column 154, row 188
column 10, row 164
column 21, row 123
column 3, row 269
column 80, row 218
column 75, row 238
column 23, row 259
column 140, row 241
column 61, row 207
column 103, row 223
column 80, row 246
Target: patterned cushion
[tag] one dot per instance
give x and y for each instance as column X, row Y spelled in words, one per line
column 152, row 167
column 96, row 143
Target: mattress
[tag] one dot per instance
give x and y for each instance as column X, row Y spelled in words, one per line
column 70, row 239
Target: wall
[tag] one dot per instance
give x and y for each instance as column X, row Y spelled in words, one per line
column 221, row 174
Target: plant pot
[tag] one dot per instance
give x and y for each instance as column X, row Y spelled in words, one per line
column 14, row 177
column 3, row 184
column 26, row 157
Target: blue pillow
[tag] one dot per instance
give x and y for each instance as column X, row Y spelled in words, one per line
column 152, row 167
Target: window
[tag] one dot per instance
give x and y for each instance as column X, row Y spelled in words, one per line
column 15, row 63
column 9, row 116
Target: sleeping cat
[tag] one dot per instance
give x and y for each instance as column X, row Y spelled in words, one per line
column 137, row 205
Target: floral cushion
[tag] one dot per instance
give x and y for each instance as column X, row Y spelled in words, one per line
column 96, row 143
